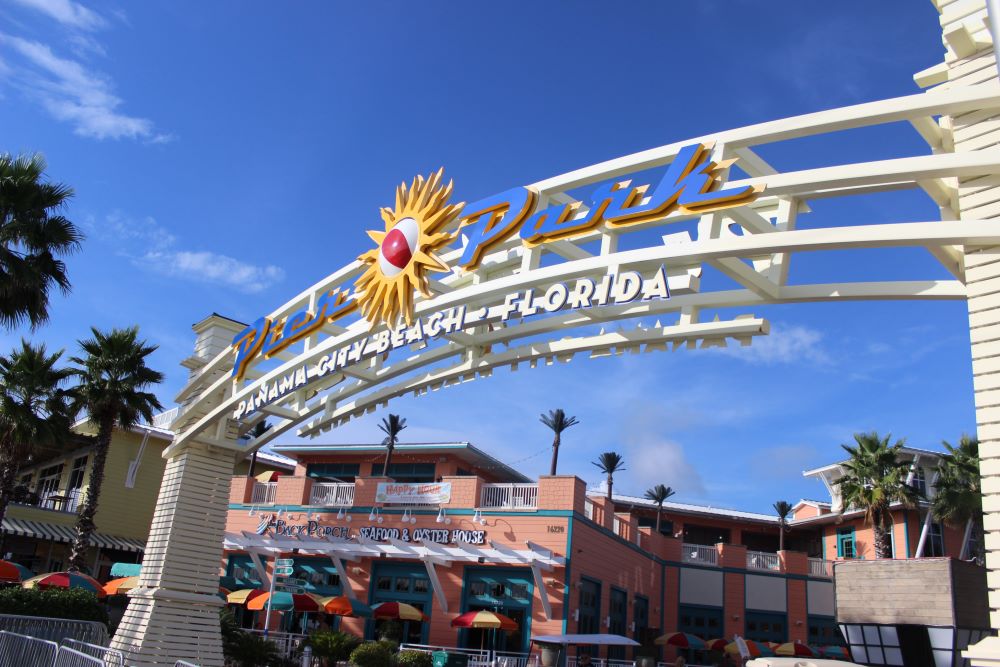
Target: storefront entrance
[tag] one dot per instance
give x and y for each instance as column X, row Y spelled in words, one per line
column 507, row 591
column 400, row 582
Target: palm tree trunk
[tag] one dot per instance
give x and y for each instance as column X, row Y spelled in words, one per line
column 781, row 535
column 388, row 456
column 8, row 474
column 611, row 483
column 555, row 455
column 659, row 515
column 85, row 525
column 883, row 546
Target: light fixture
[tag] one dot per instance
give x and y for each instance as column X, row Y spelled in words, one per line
column 607, row 621
column 406, row 516
column 280, row 513
column 340, row 514
column 576, row 614
column 442, row 517
column 309, row 515
column 477, row 517
column 631, row 626
column 371, row 515
column 253, row 511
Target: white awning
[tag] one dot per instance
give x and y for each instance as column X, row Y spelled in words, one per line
column 54, row 532
column 585, row 640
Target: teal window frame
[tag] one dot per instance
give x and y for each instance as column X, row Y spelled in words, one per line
column 756, row 621
column 844, row 535
column 502, row 589
column 412, row 473
column 346, row 472
column 397, row 572
column 618, row 615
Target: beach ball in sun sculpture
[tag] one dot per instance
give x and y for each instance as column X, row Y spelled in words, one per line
column 405, row 251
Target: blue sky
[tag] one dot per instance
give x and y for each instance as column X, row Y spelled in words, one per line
column 227, row 155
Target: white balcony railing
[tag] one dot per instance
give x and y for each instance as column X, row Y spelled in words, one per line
column 820, row 568
column 332, row 494
column 700, row 553
column 588, row 509
column 510, row 496
column 264, row 493
column 761, row 560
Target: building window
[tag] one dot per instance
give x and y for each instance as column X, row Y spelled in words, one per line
column 845, row 543
column 618, row 611
column 767, row 627
column 75, row 484
column 48, row 483
column 704, row 622
column 407, row 473
column 705, row 535
column 320, row 575
column 333, row 472
column 935, row 541
column 666, row 525
column 640, row 618
column 919, row 481
column 590, row 608
column 875, row 645
column 823, row 632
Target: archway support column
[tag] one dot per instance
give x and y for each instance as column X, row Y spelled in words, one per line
column 174, row 613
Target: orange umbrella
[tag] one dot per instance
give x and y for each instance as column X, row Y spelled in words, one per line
column 284, row 601
column 243, row 595
column 121, row 586
column 341, row 605
column 484, row 619
column 268, row 476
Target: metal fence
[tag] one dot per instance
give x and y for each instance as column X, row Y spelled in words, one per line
column 820, row 568
column 184, row 663
column 332, row 494
column 700, row 553
column 68, row 657
column 55, row 629
column 762, row 560
column 111, row 657
column 17, row 650
column 510, row 496
column 264, row 493
column 287, row 642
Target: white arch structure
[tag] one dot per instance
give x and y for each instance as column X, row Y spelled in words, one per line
column 173, row 614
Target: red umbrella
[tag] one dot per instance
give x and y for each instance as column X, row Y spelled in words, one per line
column 66, row 580
column 13, row 572
column 681, row 640
column 399, row 611
column 484, row 619
column 716, row 644
column 795, row 649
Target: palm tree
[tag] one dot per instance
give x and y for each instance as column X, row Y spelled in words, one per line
column 259, row 429
column 610, row 463
column 558, row 422
column 875, row 478
column 958, row 497
column 34, row 410
column 113, row 378
column 32, row 238
column 783, row 509
column 391, row 426
column 659, row 494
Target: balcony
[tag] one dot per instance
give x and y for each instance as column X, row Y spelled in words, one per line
column 700, row 554
column 332, row 494
column 264, row 493
column 58, row 501
column 761, row 560
column 509, row 496
column 820, row 568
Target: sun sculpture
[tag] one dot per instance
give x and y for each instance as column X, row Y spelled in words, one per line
column 405, row 251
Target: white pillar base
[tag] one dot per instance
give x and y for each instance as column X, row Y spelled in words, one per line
column 984, row 654
column 185, row 627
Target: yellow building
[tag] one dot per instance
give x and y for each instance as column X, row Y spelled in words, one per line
column 40, row 522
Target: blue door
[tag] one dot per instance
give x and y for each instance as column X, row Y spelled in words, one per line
column 400, row 582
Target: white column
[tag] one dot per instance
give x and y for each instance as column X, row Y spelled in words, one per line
column 174, row 613
column 969, row 60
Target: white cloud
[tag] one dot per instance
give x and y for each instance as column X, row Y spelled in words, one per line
column 69, row 13
column 784, row 345
column 211, row 267
column 125, row 230
column 652, row 460
column 71, row 93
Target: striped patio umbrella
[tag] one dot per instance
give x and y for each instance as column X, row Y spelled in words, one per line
column 716, row 644
column 341, row 605
column 14, row 573
column 484, row 619
column 284, row 601
column 66, row 580
column 244, row 595
column 399, row 611
column 681, row 640
column 268, row 476
column 795, row 649
column 120, row 586
column 757, row 649
column 834, row 652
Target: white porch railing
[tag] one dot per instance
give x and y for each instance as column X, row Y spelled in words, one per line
column 510, row 496
column 287, row 642
column 588, row 509
column 820, row 568
column 264, row 493
column 700, row 553
column 761, row 560
column 332, row 494
column 480, row 658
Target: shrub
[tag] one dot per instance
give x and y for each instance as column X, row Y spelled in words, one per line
column 73, row 603
column 414, row 659
column 372, row 654
column 333, row 646
column 250, row 650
